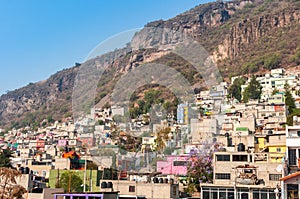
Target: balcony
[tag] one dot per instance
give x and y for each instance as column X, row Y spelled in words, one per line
column 247, row 175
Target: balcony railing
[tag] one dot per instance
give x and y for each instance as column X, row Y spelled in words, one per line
column 267, row 156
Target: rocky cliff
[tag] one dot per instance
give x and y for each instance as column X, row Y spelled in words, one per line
column 251, row 30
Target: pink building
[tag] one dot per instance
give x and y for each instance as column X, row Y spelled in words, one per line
column 173, row 165
column 62, row 143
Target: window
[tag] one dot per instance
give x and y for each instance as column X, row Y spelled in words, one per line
column 223, row 157
column 223, row 176
column 278, row 150
column 240, row 158
column 292, row 190
column 292, row 156
column 274, row 177
column 180, row 163
column 131, row 188
column 221, row 193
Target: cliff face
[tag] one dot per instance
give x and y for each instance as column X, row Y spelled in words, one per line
column 38, row 96
column 197, row 23
column 238, row 34
column 249, row 31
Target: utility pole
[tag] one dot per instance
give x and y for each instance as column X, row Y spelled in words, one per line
column 57, row 179
column 69, row 184
column 91, row 180
column 84, row 177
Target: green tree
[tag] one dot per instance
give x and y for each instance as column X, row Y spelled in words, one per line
column 71, row 181
column 5, row 156
column 50, row 119
column 253, row 90
column 272, row 61
column 101, row 122
column 289, row 100
column 235, row 90
column 275, row 91
column 296, row 57
column 167, row 106
column 134, row 112
column 168, row 151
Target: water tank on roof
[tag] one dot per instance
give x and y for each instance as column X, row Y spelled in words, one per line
column 109, row 185
column 26, row 170
column 166, row 180
column 155, row 180
column 21, row 169
column 161, row 180
column 103, row 185
column 241, row 147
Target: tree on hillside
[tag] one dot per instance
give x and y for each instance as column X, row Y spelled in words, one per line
column 235, row 89
column 253, row 90
column 289, row 100
column 8, row 184
column 275, row 91
column 5, row 156
column 162, row 136
column 272, row 61
column 290, row 103
column 71, row 182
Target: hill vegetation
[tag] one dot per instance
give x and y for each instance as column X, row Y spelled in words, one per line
column 243, row 37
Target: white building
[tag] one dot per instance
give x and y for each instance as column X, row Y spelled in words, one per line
column 293, row 147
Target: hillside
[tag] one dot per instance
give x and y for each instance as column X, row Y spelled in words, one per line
column 242, row 36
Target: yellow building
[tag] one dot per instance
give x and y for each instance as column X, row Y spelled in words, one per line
column 273, row 143
column 148, row 142
column 260, row 141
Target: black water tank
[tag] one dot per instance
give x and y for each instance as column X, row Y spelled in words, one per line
column 241, row 147
column 155, row 180
column 37, row 190
column 109, row 185
column 161, row 180
column 166, row 180
column 21, row 169
column 103, row 185
column 26, row 170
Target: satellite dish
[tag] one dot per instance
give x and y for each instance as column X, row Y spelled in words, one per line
column 279, row 168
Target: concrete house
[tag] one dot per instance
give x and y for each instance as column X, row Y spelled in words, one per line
column 243, row 175
column 293, row 147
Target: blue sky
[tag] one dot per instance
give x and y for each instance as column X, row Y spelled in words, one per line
column 39, row 38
